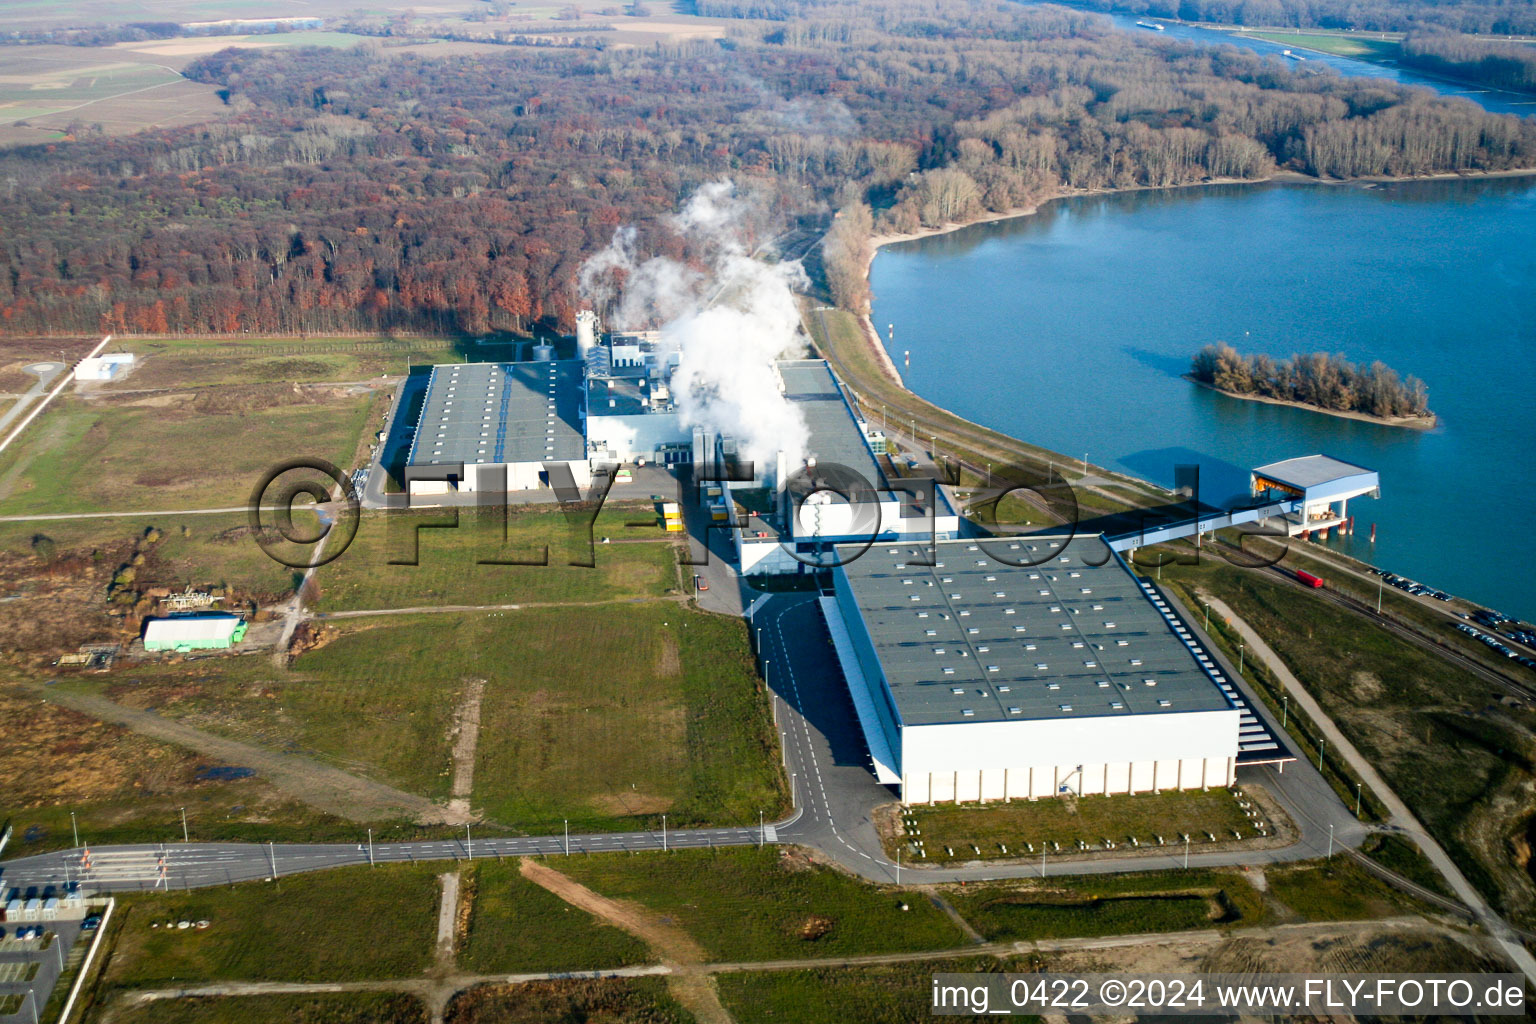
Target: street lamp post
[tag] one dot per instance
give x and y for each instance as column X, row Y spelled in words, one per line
column 184, row 836
column 1321, row 743
column 1285, row 709
column 663, row 833
column 567, row 836
column 1359, row 788
column 762, row 835
column 1186, row 851
column 1241, row 651
column 1207, row 616
column 1330, row 843
column 370, row 847
column 74, row 828
column 469, row 842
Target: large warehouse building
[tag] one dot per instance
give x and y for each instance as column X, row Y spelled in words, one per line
column 978, row 678
column 499, row 427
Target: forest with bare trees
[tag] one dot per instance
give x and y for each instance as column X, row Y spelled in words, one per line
column 1501, row 65
column 363, row 191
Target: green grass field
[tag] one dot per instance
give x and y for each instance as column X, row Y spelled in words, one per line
column 885, row 994
column 604, row 716
column 749, row 904
column 348, row 1008
column 516, row 926
column 1356, row 45
column 204, row 362
column 1091, row 819
column 345, row 924
column 585, row 1001
column 205, row 452
column 1337, row 890
column 1154, row 901
column 452, row 559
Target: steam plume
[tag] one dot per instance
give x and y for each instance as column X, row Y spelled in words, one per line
column 728, row 322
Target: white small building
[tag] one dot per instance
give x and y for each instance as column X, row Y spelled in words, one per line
column 105, row 367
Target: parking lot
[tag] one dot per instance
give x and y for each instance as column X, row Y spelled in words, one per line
column 35, row 964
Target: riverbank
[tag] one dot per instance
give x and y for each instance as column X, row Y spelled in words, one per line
column 880, row 241
column 1411, row 422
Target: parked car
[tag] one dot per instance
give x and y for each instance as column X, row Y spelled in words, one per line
column 91, row 923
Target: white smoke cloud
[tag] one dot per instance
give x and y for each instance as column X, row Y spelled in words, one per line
column 728, row 322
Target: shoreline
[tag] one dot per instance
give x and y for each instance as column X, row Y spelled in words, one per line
column 878, row 242
column 1409, row 422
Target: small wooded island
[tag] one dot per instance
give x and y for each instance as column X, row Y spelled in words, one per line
column 1326, row 383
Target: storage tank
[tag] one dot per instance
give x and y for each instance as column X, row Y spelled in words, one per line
column 586, row 333
column 543, row 352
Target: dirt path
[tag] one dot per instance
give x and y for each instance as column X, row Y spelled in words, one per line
column 466, row 727
column 447, row 919
column 689, row 984
column 319, row 785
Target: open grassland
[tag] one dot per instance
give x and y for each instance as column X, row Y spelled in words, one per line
column 967, row 828
column 348, row 1008
column 883, row 994
column 1336, row 890
column 466, row 557
column 749, row 904
column 202, row 449
column 346, row 924
column 1154, row 901
column 604, row 716
column 1357, row 45
column 1462, row 761
column 586, row 1001
column 516, row 926
column 206, row 550
column 610, row 717
column 125, row 788
column 200, row 362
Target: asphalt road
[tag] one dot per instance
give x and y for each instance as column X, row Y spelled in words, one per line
column 45, row 373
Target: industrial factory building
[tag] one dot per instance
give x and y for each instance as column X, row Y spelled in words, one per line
column 986, row 677
column 850, row 497
column 499, row 427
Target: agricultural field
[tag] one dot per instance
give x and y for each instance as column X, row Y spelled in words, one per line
column 1411, row 713
column 984, row 831
column 1336, row 890
column 515, row 926
column 346, row 924
column 609, row 1000
column 750, row 904
column 175, row 450
column 602, row 716
column 1156, row 901
column 177, row 363
column 50, row 92
column 350, row 1008
column 456, row 555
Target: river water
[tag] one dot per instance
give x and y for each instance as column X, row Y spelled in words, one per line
column 1093, row 307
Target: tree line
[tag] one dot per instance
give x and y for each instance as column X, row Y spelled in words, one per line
column 1501, row 65
column 1481, row 17
column 369, row 190
column 1321, row 380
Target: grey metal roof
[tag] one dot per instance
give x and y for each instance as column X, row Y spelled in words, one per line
column 1012, row 643
column 1311, row 471
column 501, row 413
column 615, row 396
column 835, row 436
